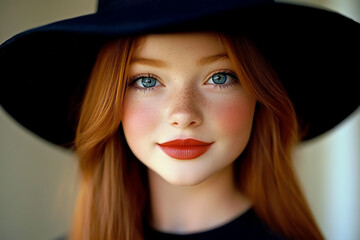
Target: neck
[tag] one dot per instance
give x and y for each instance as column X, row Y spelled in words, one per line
column 186, row 209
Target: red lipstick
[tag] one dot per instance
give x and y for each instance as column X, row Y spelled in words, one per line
column 185, row 148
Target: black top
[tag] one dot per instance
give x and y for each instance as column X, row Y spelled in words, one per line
column 245, row 226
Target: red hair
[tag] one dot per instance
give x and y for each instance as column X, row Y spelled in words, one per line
column 265, row 170
column 111, row 196
column 113, row 191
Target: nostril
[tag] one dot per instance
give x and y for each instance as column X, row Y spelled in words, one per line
column 192, row 123
column 184, row 123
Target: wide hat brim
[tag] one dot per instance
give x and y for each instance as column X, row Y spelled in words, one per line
column 316, row 53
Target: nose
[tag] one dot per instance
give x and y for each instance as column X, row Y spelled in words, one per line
column 184, row 109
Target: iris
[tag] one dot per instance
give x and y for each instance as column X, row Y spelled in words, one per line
column 219, row 78
column 148, row 82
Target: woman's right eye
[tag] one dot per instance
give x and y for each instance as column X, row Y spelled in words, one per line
column 145, row 82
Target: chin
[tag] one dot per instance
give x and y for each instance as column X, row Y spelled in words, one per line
column 186, row 179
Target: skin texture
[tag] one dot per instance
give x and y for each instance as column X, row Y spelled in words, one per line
column 186, row 103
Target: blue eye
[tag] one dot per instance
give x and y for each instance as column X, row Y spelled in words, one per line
column 223, row 78
column 219, row 78
column 146, row 82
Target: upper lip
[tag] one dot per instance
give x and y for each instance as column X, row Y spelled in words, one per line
column 185, row 143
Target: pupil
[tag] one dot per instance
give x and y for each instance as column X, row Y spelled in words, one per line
column 148, row 82
column 219, row 78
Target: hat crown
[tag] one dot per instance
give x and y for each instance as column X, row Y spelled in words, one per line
column 108, row 4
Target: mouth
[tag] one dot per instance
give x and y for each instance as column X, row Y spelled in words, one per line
column 185, row 149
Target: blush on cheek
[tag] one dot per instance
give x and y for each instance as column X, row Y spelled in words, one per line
column 138, row 119
column 235, row 116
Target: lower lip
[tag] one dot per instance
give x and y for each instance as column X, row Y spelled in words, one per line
column 184, row 152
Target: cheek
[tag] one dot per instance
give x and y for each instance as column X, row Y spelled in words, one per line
column 138, row 120
column 235, row 116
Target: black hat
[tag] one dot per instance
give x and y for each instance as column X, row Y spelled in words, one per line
column 316, row 53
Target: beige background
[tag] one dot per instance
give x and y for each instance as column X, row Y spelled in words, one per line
column 38, row 180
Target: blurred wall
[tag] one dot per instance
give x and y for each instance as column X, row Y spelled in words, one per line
column 38, row 180
column 329, row 166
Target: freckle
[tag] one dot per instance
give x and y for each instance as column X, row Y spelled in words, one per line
column 185, row 98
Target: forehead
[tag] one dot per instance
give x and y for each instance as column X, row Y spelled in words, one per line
column 168, row 45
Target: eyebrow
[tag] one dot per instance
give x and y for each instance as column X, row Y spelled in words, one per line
column 150, row 62
column 161, row 64
column 213, row 58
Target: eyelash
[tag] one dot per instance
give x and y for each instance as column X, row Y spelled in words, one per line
column 139, row 76
column 227, row 72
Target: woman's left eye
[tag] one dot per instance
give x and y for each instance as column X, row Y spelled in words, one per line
column 221, row 78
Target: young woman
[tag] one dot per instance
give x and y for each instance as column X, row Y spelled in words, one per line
column 180, row 134
column 189, row 117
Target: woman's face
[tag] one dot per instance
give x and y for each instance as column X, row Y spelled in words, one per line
column 183, row 87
